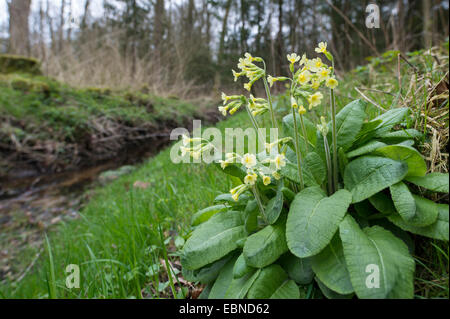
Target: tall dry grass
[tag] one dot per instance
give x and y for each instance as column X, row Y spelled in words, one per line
column 99, row 61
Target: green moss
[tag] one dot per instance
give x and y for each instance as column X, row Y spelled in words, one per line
column 19, row 64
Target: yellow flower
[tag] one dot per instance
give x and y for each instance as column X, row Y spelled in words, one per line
column 271, row 80
column 304, row 77
column 322, row 48
column 224, row 164
column 248, row 86
column 186, row 140
column 294, row 102
column 250, row 179
column 301, row 110
column 276, row 175
column 249, row 160
column 332, row 83
column 266, row 180
column 315, row 85
column 280, row 161
column 223, row 110
column 324, row 73
column 315, row 64
column 196, row 155
column 249, row 58
column 237, row 75
column 304, row 60
column 235, row 197
column 315, row 99
column 184, row 150
column 293, row 58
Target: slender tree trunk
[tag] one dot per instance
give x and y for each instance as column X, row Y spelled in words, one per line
column 85, row 15
column 19, row 10
column 427, row 24
column 159, row 29
column 61, row 25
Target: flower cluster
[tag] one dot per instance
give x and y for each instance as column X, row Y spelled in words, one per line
column 265, row 169
column 231, row 104
column 311, row 75
column 250, row 70
column 195, row 147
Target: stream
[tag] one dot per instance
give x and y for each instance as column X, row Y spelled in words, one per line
column 32, row 205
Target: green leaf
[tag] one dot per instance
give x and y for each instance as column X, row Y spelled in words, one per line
column 275, row 205
column 437, row 182
column 298, row 269
column 206, row 213
column 382, row 203
column 241, row 268
column 266, row 246
column 403, row 201
column 368, row 175
column 349, row 122
column 226, row 198
column 372, row 249
column 207, row 273
column 343, row 161
column 223, row 282
column 290, row 171
column 313, row 220
column 232, row 170
column 213, row 239
column 239, row 287
column 415, row 210
column 366, row 149
column 287, row 290
column 392, row 117
column 399, row 136
column 251, row 216
column 288, row 127
column 330, row 294
column 438, row 230
column 329, row 266
column 316, row 167
column 415, row 161
column 268, row 282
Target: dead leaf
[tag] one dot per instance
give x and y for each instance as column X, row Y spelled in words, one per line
column 141, row 185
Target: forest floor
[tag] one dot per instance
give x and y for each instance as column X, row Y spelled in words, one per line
column 128, row 227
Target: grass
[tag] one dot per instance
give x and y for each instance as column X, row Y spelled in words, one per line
column 126, row 233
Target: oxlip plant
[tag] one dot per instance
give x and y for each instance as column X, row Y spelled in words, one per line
column 328, row 206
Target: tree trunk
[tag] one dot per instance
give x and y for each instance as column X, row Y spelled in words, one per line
column 61, row 26
column 159, row 29
column 427, row 24
column 19, row 11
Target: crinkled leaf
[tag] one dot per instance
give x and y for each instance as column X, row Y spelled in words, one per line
column 399, row 136
column 268, row 282
column 298, row 269
column 329, row 266
column 313, row 220
column 266, row 246
column 241, row 268
column 437, row 182
column 275, row 205
column 251, row 216
column 316, row 167
column 207, row 273
column 206, row 213
column 415, row 161
column 374, row 248
column 330, row 294
column 288, row 127
column 438, row 230
column 223, row 281
column 213, row 239
column 349, row 122
column 366, row 149
column 287, row 290
column 392, row 117
column 239, row 287
column 368, row 175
